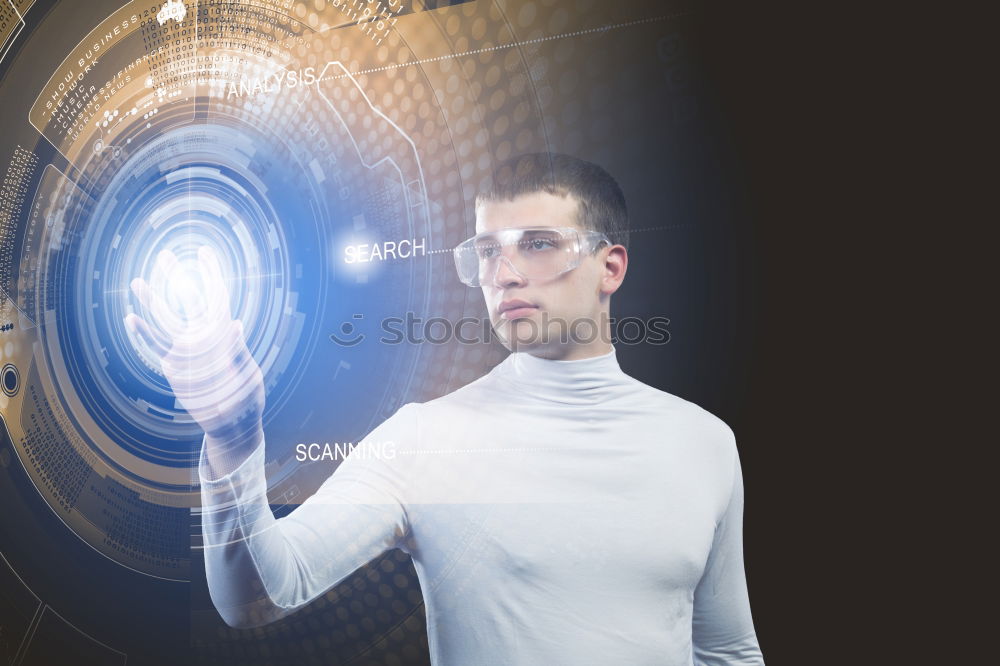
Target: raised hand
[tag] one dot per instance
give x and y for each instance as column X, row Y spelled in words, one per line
column 202, row 350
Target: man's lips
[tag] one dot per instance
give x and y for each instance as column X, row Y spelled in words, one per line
column 516, row 313
column 514, row 309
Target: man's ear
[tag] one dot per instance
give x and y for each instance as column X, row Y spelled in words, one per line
column 615, row 267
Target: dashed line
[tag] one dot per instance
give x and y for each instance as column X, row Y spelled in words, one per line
column 669, row 227
column 498, row 47
column 490, row 450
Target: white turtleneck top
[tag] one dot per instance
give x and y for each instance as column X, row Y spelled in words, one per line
column 557, row 512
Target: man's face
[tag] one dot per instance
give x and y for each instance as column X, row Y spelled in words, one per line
column 573, row 296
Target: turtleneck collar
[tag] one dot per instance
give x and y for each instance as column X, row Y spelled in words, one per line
column 579, row 381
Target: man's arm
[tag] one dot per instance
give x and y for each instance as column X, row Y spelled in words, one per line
column 723, row 633
column 260, row 569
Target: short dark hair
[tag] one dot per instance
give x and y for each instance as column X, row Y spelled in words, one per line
column 602, row 203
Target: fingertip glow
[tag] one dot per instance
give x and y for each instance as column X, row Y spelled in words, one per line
column 185, row 292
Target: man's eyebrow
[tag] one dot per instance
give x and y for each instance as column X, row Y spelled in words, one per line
column 488, row 238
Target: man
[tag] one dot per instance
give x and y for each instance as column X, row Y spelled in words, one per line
column 556, row 509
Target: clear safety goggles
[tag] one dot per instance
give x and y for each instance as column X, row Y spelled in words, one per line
column 534, row 253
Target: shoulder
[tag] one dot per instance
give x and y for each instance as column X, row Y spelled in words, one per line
column 401, row 428
column 696, row 423
column 469, row 398
column 708, row 443
column 445, row 408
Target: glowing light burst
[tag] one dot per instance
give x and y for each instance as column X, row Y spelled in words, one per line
column 185, row 291
column 190, row 297
column 189, row 293
column 151, row 218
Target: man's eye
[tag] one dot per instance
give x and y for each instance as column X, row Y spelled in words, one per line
column 540, row 244
column 486, row 251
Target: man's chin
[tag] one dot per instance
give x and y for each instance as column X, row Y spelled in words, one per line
column 517, row 345
column 520, row 335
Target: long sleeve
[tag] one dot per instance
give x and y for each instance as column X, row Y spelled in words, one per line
column 723, row 632
column 260, row 568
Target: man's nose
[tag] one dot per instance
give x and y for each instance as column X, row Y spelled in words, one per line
column 506, row 274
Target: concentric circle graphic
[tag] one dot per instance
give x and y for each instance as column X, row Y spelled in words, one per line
column 217, row 129
column 150, row 210
column 10, row 380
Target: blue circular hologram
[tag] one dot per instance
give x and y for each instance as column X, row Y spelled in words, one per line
column 164, row 200
column 278, row 199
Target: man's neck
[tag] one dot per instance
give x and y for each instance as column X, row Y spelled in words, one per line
column 570, row 352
